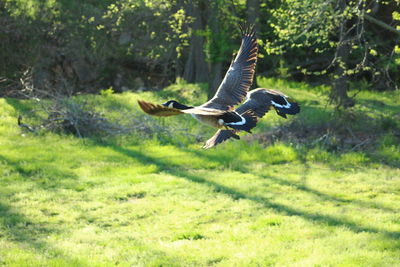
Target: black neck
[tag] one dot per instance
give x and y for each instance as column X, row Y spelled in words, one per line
column 181, row 106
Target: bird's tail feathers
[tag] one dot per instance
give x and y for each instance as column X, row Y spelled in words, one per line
column 290, row 108
column 282, row 104
column 250, row 122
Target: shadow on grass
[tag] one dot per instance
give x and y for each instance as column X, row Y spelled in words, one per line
column 29, row 234
column 267, row 203
column 19, row 229
column 224, row 161
column 380, row 105
column 45, row 176
column 327, row 197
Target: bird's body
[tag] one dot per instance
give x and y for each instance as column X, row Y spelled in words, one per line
column 219, row 111
column 212, row 121
column 216, row 118
column 227, row 119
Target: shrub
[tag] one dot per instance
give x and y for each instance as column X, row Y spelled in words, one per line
column 279, row 153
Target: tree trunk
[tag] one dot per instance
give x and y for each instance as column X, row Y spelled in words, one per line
column 196, row 69
column 215, row 62
column 340, row 85
column 216, row 78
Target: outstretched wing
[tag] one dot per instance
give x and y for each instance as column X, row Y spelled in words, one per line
column 239, row 77
column 219, row 137
column 163, row 111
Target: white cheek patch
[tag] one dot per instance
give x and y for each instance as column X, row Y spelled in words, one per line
column 221, row 122
column 171, row 105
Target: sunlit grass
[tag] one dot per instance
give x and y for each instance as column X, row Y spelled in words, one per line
column 133, row 201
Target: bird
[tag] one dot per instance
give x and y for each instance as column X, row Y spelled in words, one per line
column 258, row 101
column 219, row 111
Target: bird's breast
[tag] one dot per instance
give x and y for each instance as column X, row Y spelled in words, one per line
column 209, row 120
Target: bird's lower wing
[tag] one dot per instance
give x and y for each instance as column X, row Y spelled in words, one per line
column 219, row 137
column 158, row 110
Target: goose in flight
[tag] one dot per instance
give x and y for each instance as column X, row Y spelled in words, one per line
column 218, row 112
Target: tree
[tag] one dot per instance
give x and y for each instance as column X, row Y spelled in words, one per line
column 335, row 38
column 196, row 69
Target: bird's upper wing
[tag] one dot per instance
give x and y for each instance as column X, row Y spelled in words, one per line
column 163, row 111
column 239, row 77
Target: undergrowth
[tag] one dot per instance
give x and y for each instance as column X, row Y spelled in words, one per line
column 368, row 132
column 276, row 198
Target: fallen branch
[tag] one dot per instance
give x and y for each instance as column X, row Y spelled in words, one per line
column 25, row 126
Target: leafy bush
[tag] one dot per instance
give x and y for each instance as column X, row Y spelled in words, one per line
column 388, row 150
column 279, row 153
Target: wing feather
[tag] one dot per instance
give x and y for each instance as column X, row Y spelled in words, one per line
column 163, row 111
column 204, row 111
column 239, row 76
column 219, row 137
column 158, row 110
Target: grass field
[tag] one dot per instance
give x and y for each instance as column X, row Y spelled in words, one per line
column 153, row 201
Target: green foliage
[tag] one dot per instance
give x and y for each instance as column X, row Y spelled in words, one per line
column 359, row 136
column 87, row 45
column 388, row 150
column 220, row 33
column 318, row 154
column 107, row 92
column 309, row 34
column 99, row 38
column 280, row 153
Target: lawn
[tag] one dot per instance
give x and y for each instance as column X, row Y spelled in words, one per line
column 136, row 200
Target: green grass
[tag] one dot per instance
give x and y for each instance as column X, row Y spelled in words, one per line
column 146, row 201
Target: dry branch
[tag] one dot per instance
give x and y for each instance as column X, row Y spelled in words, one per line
column 381, row 24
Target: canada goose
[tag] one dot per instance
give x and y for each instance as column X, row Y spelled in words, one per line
column 258, row 101
column 218, row 112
